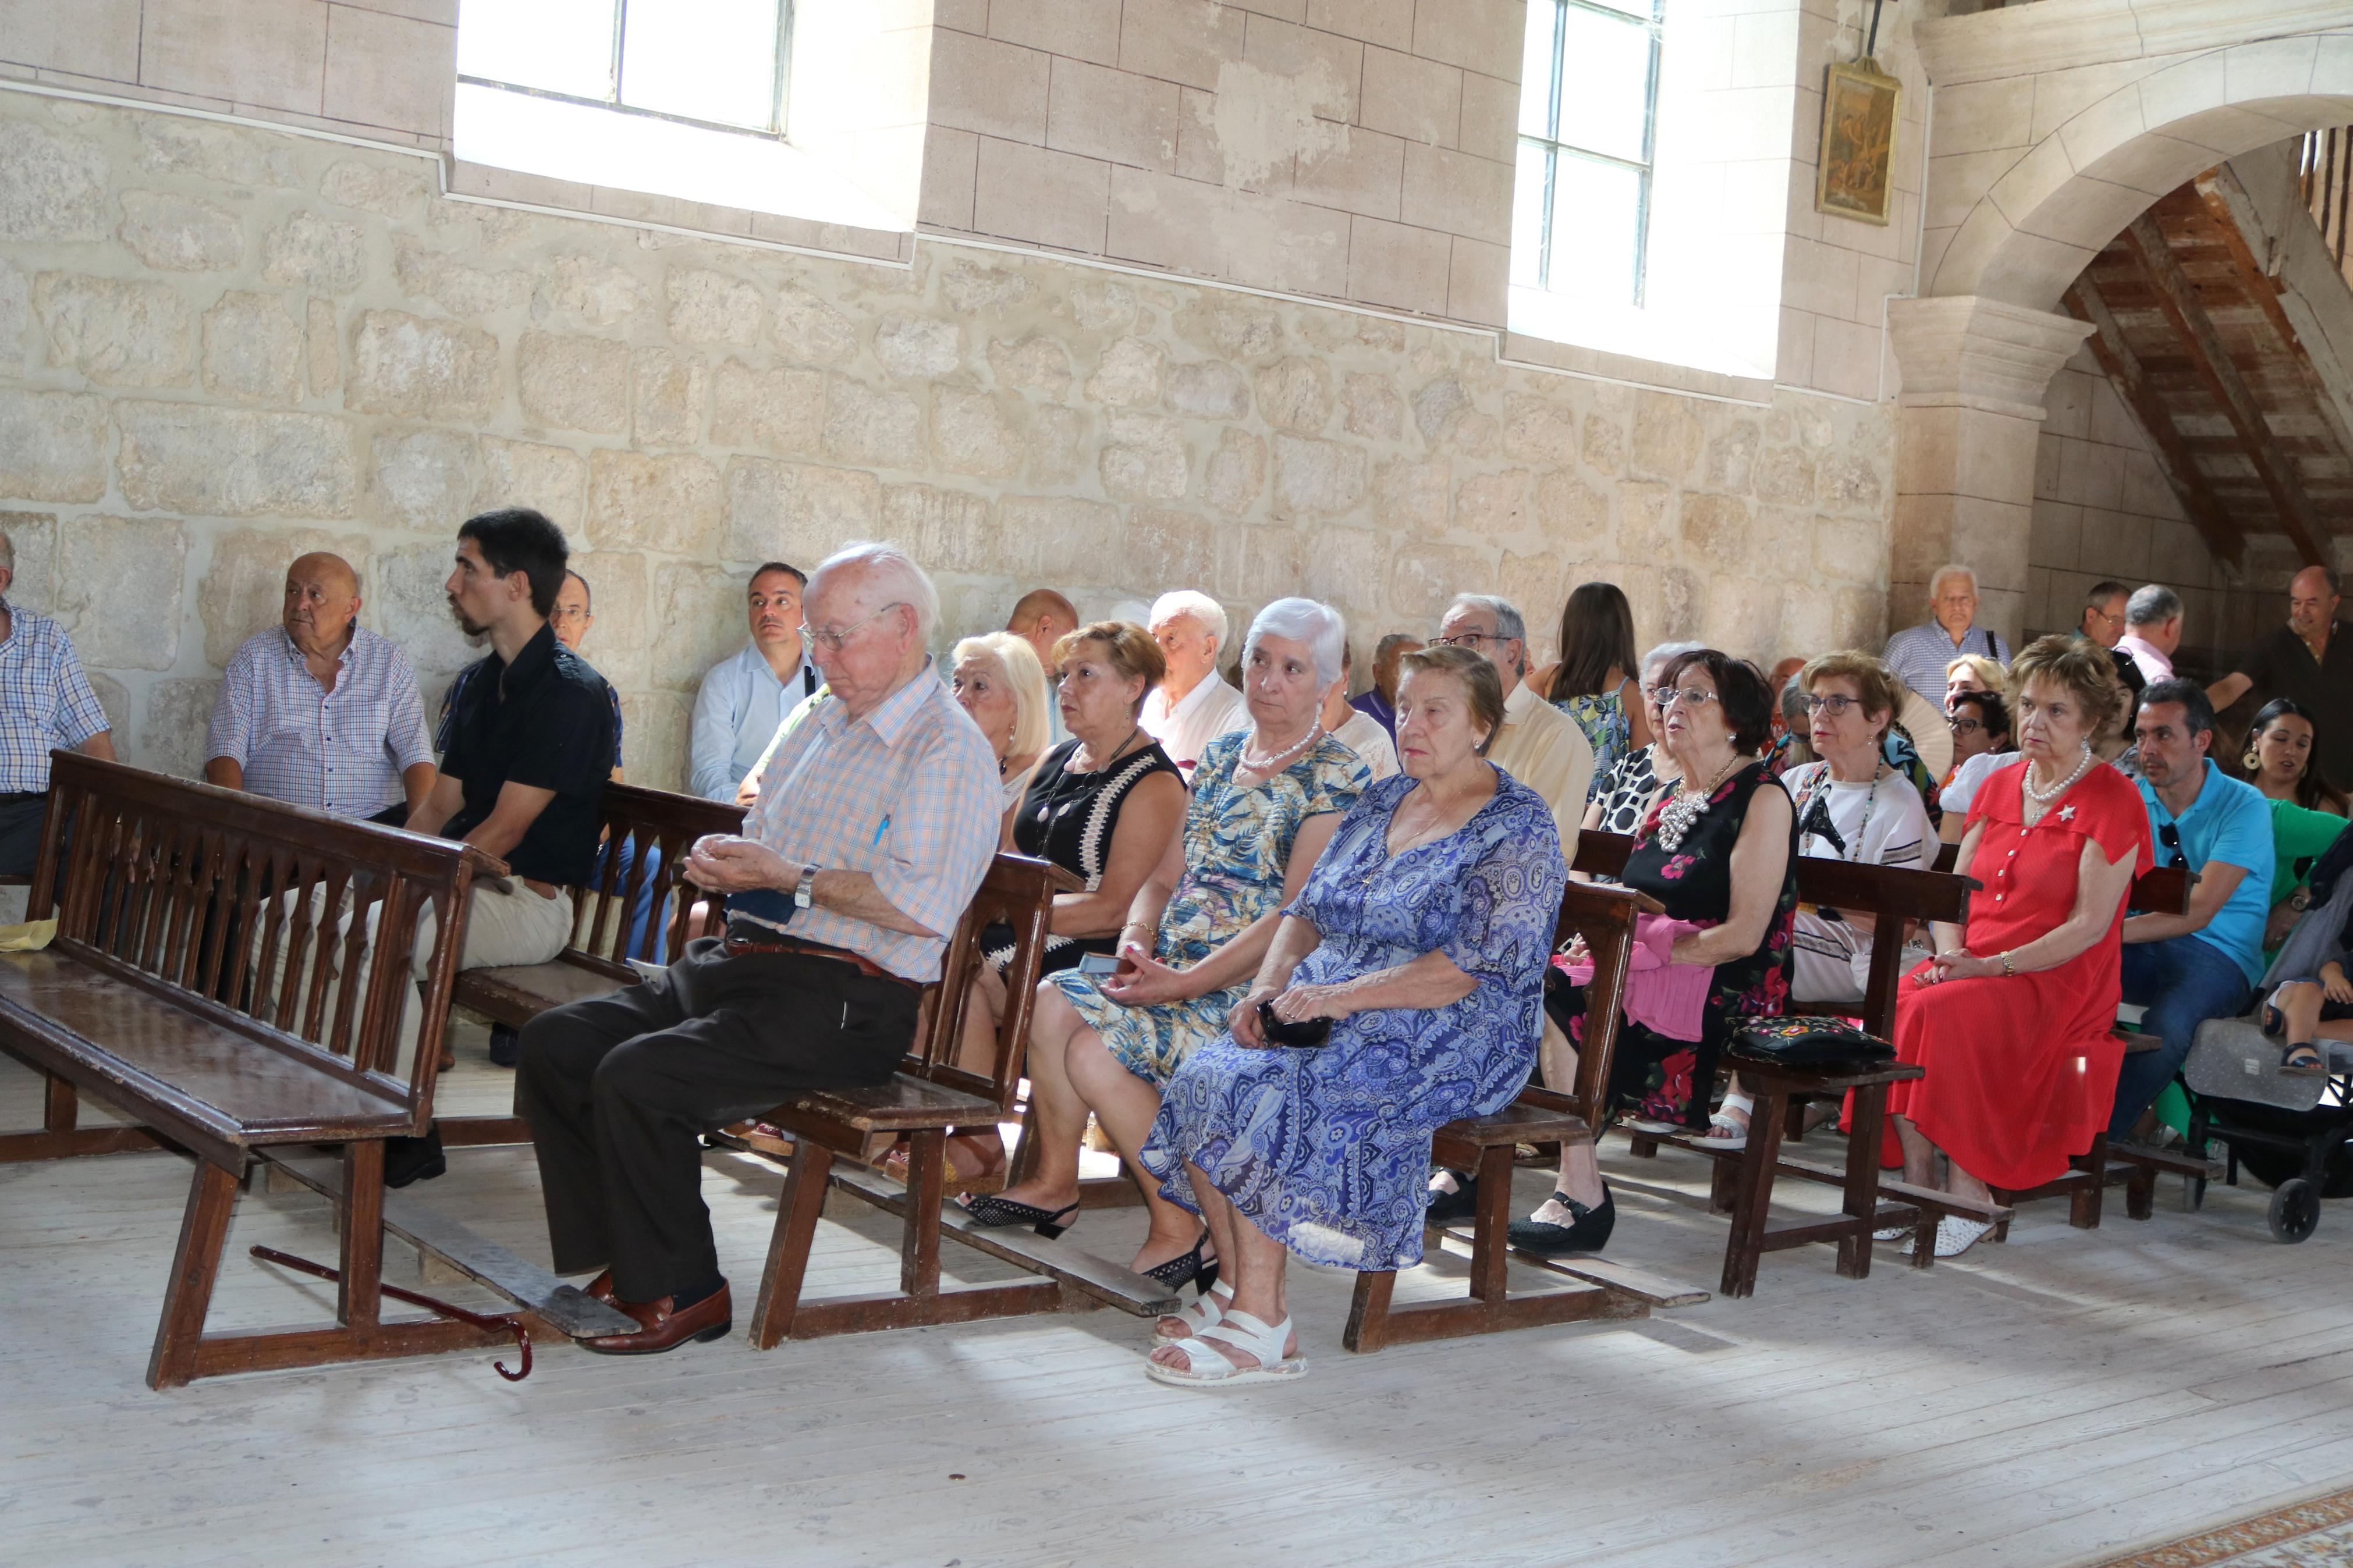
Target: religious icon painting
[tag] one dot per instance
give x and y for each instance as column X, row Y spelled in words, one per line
column 1858, row 142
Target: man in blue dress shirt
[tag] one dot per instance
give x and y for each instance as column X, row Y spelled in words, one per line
column 746, row 695
column 2186, row 969
column 1920, row 655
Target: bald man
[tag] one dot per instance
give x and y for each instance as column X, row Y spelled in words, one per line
column 2310, row 659
column 1041, row 619
column 319, row 712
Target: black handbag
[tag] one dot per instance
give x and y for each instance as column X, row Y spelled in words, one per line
column 1806, row 1041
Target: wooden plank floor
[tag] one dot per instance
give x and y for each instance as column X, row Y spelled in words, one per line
column 2054, row 1402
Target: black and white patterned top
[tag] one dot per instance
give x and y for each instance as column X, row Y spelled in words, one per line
column 1626, row 792
column 1067, row 818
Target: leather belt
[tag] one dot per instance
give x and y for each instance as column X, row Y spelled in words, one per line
column 737, row 946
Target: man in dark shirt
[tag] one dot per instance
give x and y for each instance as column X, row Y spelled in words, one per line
column 531, row 742
column 2309, row 660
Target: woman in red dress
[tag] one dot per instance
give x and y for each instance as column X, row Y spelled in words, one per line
column 2014, row 1020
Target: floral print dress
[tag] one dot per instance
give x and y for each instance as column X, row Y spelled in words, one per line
column 1665, row 1080
column 1237, row 841
column 1602, row 716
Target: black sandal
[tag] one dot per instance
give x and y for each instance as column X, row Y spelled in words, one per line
column 1192, row 1270
column 2316, row 1068
column 995, row 1213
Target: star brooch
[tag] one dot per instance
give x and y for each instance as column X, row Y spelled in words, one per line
column 2066, row 814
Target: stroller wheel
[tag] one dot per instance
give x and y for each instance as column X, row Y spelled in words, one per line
column 2296, row 1210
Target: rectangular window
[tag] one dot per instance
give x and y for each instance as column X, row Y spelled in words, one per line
column 1588, row 112
column 722, row 63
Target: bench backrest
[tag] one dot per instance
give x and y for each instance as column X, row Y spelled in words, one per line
column 222, row 904
column 647, row 833
column 1017, row 893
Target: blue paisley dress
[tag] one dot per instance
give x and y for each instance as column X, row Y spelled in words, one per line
column 1236, row 846
column 1327, row 1149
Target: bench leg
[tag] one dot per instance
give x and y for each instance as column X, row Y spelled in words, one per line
column 60, row 1105
column 2084, row 1208
column 194, row 1266
column 1642, row 1146
column 919, row 1244
column 359, row 1294
column 1753, row 1199
column 1490, row 1227
column 1724, row 1184
column 1862, row 1177
column 1368, row 1313
column 788, row 1249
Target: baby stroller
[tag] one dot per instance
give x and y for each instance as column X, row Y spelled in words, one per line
column 2290, row 1130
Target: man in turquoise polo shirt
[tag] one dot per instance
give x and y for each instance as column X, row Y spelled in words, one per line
column 2186, row 969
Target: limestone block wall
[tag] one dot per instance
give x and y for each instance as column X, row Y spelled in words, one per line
column 221, row 346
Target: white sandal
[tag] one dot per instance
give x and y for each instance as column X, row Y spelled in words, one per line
column 1956, row 1235
column 1200, row 1312
column 1722, row 1131
column 1206, row 1367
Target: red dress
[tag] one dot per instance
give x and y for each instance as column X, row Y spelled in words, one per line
column 2022, row 1068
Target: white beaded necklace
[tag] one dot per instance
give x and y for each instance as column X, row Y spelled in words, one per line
column 1269, row 763
column 1683, row 808
column 1821, row 783
column 2045, row 797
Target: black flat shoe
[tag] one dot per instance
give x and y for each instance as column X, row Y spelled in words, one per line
column 995, row 1213
column 1590, row 1234
column 506, row 1046
column 1462, row 1203
column 1190, row 1269
column 407, row 1159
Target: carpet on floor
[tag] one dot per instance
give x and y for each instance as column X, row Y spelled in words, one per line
column 2315, row 1534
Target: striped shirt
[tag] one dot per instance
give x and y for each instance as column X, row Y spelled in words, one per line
column 341, row 751
column 907, row 795
column 1920, row 655
column 45, row 701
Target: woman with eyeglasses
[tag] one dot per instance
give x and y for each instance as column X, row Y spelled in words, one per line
column 1980, row 725
column 2014, row 1018
column 2307, row 811
column 1265, row 802
column 1718, row 852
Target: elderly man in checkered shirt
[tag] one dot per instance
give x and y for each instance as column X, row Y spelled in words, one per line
column 321, row 711
column 45, row 703
column 876, row 820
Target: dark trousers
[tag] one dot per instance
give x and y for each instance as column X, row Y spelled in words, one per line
column 2182, row 981
column 20, row 832
column 619, row 1090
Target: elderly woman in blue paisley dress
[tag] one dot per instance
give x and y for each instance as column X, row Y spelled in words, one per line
column 1422, row 934
column 1265, row 801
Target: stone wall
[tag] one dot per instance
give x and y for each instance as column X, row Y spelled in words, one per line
column 220, row 346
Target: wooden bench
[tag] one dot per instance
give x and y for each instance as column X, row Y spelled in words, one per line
column 641, row 827
column 929, row 1096
column 121, row 1006
column 1742, row 1183
column 2163, row 891
column 1486, row 1144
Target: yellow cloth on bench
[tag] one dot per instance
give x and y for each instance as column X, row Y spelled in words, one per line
column 30, row 937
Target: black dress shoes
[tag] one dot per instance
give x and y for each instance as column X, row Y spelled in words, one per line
column 667, row 1326
column 1590, row 1233
column 1462, row 1203
column 407, row 1159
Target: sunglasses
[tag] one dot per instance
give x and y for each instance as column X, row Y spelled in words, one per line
column 2170, row 836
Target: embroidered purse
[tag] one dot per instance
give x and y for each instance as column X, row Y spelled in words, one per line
column 1804, row 1041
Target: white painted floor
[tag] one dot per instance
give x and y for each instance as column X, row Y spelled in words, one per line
column 2055, row 1401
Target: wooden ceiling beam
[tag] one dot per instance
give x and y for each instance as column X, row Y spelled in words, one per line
column 2203, row 346
column 2116, row 357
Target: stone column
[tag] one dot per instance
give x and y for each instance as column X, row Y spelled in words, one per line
column 1975, row 370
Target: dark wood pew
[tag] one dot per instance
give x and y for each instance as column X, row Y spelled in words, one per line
column 126, row 1004
column 1742, row 1185
column 1486, row 1144
column 638, row 823
column 929, row 1095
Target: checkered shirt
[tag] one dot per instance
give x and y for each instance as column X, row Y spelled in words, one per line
column 341, row 751
column 45, row 701
column 907, row 795
column 1920, row 655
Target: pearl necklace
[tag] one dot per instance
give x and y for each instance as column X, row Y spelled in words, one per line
column 2045, row 797
column 1267, row 765
column 1675, row 817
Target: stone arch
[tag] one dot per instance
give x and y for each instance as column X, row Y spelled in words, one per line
column 2043, row 218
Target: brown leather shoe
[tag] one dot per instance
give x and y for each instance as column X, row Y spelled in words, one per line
column 713, row 1318
column 601, row 1288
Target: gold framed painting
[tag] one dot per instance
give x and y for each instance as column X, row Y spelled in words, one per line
column 1858, row 142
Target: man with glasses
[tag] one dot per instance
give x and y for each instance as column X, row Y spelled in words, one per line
column 841, row 892
column 2103, row 622
column 1920, row 655
column 1539, row 745
column 2306, row 660
column 2186, row 969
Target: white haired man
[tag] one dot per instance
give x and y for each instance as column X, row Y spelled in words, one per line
column 1540, row 745
column 1192, row 706
column 1920, row 655
column 840, row 896
column 46, row 702
column 2152, row 632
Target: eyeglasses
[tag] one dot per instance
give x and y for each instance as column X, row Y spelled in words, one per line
column 2170, row 836
column 1470, row 640
column 833, row 641
column 2104, row 617
column 1834, row 705
column 1964, row 726
column 1690, row 698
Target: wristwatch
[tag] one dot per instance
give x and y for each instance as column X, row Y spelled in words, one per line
column 2300, row 901
column 804, row 890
